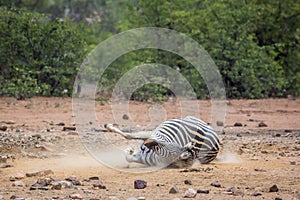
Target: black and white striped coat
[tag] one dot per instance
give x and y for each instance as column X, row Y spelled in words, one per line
column 174, row 142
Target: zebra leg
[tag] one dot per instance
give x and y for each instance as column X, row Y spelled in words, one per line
column 188, row 151
column 130, row 136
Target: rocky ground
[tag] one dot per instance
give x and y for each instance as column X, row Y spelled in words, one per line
column 42, row 155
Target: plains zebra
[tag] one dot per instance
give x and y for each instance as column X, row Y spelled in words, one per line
column 176, row 141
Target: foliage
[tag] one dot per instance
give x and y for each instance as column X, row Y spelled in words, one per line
column 37, row 56
column 255, row 44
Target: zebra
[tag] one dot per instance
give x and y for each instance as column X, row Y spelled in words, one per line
column 176, row 142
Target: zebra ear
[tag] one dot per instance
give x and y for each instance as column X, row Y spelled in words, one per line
column 150, row 143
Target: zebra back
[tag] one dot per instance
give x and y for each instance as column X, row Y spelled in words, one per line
column 171, row 137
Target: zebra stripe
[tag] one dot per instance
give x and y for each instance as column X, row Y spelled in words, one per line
column 171, row 138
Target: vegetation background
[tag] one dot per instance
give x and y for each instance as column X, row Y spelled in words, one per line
column 255, row 44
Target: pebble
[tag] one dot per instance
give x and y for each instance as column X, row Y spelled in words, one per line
column 8, row 122
column 190, row 193
column 174, row 190
column 278, row 198
column 99, row 185
column 75, row 196
column 188, row 182
column 141, row 198
column 274, row 188
column 16, row 176
column 220, row 123
column 6, row 165
column 238, row 124
column 203, row 191
column 69, row 128
column 3, row 128
column 262, row 124
column 18, row 183
column 293, row 162
column 215, row 184
column 125, row 117
column 255, row 194
column 94, row 178
column 73, row 133
column 40, row 173
column 140, row 184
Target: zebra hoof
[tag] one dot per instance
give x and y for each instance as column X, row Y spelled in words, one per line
column 185, row 155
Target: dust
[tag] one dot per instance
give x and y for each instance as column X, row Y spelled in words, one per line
column 228, row 157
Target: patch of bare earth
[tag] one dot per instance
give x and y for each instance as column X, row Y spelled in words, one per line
column 39, row 137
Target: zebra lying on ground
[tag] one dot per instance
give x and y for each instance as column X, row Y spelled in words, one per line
column 176, row 142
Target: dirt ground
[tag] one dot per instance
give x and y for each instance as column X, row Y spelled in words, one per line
column 37, row 135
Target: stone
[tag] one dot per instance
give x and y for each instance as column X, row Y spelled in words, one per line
column 69, row 128
column 174, row 190
column 8, row 122
column 7, row 165
column 18, row 183
column 3, row 128
column 203, row 191
column 293, row 162
column 220, row 123
column 190, row 193
column 125, row 117
column 255, row 194
column 215, row 184
column 141, row 198
column 99, row 184
column 278, row 198
column 238, row 124
column 274, row 188
column 94, row 178
column 16, row 176
column 75, row 196
column 39, row 173
column 262, row 124
column 188, row 182
column 140, row 184
column 73, row 133
column 60, row 124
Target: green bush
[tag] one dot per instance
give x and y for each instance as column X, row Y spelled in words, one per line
column 37, row 56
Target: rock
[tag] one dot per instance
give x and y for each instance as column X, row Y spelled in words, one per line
column 40, row 173
column 18, row 183
column 239, row 135
column 8, row 122
column 274, row 188
column 100, row 185
column 160, row 184
column 190, row 193
column 3, row 159
column 202, row 191
column 75, row 196
column 16, row 176
column 3, row 128
column 238, row 124
column 174, row 190
column 255, row 194
column 94, row 178
column 73, row 133
column 188, row 182
column 125, row 117
column 56, row 185
column 141, row 198
column 278, row 198
column 60, row 124
column 6, row 165
column 215, row 184
column 140, row 184
column 293, row 162
column 132, row 198
column 69, row 128
column 73, row 180
column 220, row 123
column 262, row 124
